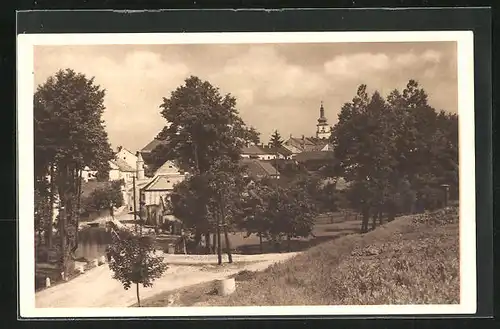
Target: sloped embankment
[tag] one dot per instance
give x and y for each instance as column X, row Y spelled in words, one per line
column 412, row 260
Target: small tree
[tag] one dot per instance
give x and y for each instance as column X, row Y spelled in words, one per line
column 133, row 260
column 276, row 140
column 105, row 197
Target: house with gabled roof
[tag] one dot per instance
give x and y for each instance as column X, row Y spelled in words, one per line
column 148, row 149
column 127, row 156
column 257, row 152
column 120, row 169
column 257, row 169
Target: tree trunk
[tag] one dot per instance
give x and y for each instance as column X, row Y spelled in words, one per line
column 380, row 218
column 207, row 243
column 64, row 266
column 260, row 243
column 197, row 239
column 219, row 247
column 365, row 219
column 184, row 249
column 374, row 220
column 228, row 245
column 289, row 245
column 78, row 203
column 49, row 228
column 214, row 243
column 137, row 293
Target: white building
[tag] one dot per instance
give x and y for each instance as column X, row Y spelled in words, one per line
column 127, row 156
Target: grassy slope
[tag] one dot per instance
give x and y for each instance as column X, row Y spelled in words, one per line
column 412, row 260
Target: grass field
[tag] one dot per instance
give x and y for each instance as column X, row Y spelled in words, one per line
column 412, row 260
column 327, row 227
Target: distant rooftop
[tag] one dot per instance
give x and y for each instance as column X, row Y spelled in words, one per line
column 122, row 165
column 152, row 145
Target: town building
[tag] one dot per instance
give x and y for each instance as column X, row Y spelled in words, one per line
column 320, row 142
column 323, row 130
column 129, row 157
column 258, row 169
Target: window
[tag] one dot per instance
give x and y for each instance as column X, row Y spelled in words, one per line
column 170, row 166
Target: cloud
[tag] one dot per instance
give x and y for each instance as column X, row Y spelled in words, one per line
column 270, row 75
column 276, row 87
column 363, row 64
column 135, row 85
column 431, row 56
column 355, row 64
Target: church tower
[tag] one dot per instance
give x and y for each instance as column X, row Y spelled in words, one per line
column 139, row 167
column 323, row 130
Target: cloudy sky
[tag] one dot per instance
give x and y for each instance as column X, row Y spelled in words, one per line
column 277, row 86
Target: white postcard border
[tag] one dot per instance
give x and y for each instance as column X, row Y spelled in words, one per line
column 25, row 76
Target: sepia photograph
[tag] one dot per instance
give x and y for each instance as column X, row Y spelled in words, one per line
column 217, row 173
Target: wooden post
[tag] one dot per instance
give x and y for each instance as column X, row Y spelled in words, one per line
column 135, row 208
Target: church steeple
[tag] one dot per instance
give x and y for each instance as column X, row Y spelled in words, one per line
column 323, row 131
column 322, row 119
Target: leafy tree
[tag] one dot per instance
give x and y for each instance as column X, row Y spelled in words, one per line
column 69, row 135
column 226, row 185
column 189, row 201
column 256, row 215
column 276, row 140
column 203, row 127
column 395, row 151
column 364, row 143
column 204, row 132
column 293, row 213
column 105, row 197
column 133, row 261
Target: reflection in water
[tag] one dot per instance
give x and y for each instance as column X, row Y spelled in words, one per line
column 93, row 242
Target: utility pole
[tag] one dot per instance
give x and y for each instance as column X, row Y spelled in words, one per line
column 135, row 210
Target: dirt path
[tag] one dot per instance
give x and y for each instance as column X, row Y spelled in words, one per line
column 97, row 288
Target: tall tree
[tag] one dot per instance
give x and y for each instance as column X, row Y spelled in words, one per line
column 256, row 215
column 276, row 140
column 69, row 135
column 363, row 141
column 203, row 127
column 204, row 130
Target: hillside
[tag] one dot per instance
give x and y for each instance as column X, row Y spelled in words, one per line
column 412, row 260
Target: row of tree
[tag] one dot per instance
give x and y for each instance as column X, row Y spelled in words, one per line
column 395, row 152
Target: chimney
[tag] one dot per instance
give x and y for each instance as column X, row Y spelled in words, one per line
column 303, row 142
column 139, row 167
column 119, row 148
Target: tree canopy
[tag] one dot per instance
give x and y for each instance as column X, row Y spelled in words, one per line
column 69, row 135
column 203, row 126
column 395, row 150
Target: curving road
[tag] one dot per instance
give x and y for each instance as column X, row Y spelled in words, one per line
column 97, row 288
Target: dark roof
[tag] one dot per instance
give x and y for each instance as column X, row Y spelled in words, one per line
column 152, row 145
column 253, row 150
column 257, row 168
column 314, row 155
column 308, row 144
column 280, row 150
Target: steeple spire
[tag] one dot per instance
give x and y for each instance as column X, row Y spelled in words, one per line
column 323, row 130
